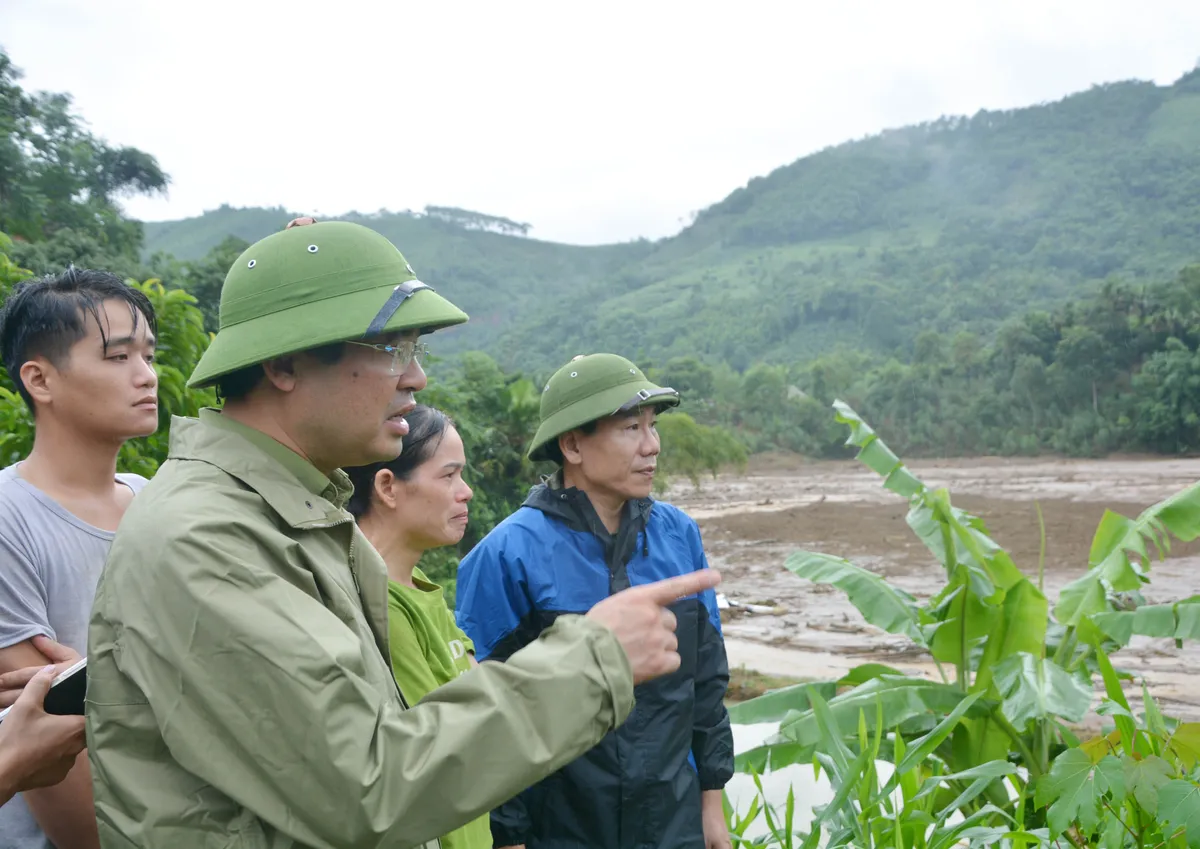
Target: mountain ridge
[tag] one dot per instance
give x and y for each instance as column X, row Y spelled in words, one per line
column 955, row 223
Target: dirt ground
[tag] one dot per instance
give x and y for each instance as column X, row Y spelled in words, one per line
column 752, row 521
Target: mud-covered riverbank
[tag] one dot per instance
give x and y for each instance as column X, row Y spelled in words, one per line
column 752, row 521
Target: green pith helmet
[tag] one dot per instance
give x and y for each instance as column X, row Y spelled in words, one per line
column 592, row 387
column 312, row 285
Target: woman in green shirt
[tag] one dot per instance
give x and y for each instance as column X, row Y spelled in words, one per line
column 406, row 507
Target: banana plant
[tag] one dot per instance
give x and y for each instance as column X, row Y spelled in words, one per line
column 1024, row 672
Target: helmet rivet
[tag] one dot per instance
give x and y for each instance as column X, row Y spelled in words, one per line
column 252, row 263
column 574, row 374
column 312, row 249
column 631, row 371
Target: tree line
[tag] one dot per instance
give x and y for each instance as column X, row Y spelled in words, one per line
column 1118, row 371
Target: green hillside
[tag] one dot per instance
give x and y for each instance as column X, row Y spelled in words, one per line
column 954, row 224
column 495, row 277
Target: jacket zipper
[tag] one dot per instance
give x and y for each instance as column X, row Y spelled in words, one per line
column 353, row 564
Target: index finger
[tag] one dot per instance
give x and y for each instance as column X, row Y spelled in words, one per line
column 668, row 590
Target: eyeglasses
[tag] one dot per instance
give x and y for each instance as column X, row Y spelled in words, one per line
column 402, row 354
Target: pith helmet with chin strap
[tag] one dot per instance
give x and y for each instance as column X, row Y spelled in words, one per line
column 314, row 284
column 589, row 388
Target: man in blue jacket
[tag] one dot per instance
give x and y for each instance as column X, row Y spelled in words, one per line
column 590, row 530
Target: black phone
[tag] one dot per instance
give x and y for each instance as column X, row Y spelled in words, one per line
column 67, row 692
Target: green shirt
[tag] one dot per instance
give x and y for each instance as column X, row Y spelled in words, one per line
column 428, row 650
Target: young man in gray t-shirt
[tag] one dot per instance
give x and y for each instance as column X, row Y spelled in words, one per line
column 80, row 349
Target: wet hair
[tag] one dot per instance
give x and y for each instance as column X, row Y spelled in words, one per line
column 238, row 384
column 45, row 317
column 426, row 428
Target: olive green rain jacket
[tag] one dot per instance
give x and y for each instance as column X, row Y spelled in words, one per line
column 240, row 692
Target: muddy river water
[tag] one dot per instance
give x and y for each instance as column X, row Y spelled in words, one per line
column 752, row 520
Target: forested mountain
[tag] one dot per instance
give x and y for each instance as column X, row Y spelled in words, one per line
column 1013, row 282
column 952, row 225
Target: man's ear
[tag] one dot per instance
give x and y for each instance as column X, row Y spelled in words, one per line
column 37, row 375
column 385, row 487
column 568, row 444
column 281, row 371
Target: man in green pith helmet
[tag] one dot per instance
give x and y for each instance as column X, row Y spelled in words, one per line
column 240, row 691
column 588, row 532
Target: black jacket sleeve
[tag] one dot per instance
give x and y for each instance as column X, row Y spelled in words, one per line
column 712, row 737
column 510, row 823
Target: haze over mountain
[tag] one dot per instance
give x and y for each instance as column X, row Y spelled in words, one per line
column 953, row 224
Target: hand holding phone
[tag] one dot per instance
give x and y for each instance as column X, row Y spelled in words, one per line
column 12, row 683
column 37, row 750
column 66, row 694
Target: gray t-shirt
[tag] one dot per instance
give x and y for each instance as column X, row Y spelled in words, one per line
column 50, row 563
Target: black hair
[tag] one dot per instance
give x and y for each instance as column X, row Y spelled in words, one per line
column 426, row 429
column 238, row 384
column 45, row 317
column 554, row 451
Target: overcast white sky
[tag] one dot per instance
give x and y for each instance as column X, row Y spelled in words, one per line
column 594, row 122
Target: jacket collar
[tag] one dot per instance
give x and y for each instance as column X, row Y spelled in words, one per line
column 573, row 508
column 302, row 495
